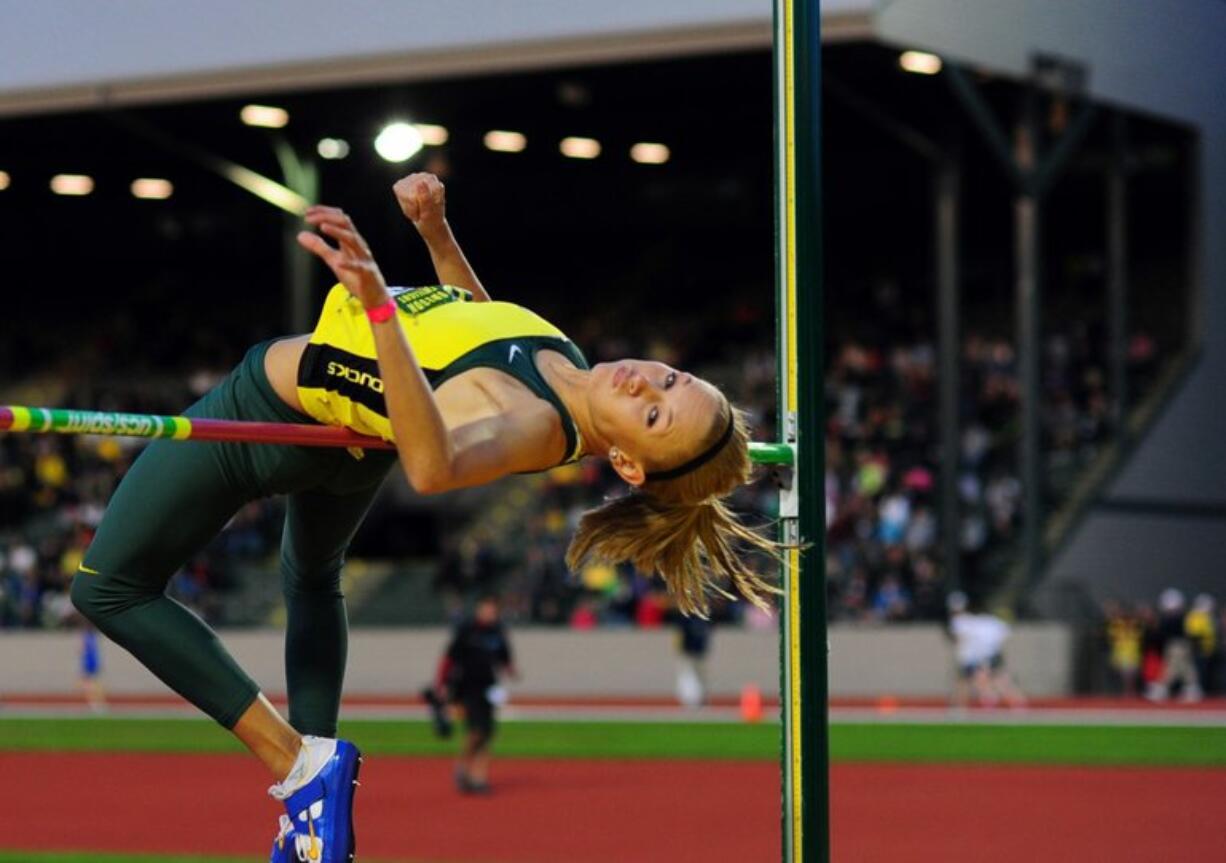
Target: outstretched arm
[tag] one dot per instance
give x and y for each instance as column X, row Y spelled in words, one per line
column 411, row 408
column 423, row 200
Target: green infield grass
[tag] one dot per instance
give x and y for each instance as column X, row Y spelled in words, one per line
column 855, row 742
column 101, row 857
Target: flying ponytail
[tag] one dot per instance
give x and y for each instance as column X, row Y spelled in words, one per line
column 680, row 528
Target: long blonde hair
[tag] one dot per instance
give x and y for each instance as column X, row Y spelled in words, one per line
column 681, row 529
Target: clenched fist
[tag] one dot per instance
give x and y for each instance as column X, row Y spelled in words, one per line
column 423, row 201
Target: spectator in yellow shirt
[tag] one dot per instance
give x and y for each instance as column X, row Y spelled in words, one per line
column 1124, row 632
column 1201, row 629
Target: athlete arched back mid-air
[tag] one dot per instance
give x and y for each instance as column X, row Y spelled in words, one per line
column 470, row 390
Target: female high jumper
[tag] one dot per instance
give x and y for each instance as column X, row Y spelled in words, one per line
column 469, row 390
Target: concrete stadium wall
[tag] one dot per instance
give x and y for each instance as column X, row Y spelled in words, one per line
column 905, row 660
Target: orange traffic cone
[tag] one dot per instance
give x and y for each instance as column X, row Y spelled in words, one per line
column 751, row 703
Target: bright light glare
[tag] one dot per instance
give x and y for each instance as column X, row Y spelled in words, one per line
column 433, row 135
column 649, row 154
column 505, row 142
column 269, row 190
column 580, row 148
column 333, row 148
column 72, row 184
column 398, row 142
column 920, row 62
column 264, row 116
column 4, row 180
column 152, row 189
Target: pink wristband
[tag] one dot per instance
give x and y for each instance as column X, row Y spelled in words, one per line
column 382, row 313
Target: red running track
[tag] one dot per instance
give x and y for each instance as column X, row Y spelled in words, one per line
column 624, row 812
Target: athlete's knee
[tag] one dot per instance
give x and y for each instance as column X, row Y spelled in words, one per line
column 84, row 595
column 98, row 596
column 316, row 577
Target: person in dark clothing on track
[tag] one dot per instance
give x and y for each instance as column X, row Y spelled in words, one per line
column 478, row 656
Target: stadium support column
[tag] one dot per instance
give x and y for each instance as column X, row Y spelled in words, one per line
column 1195, row 246
column 1117, row 273
column 946, row 220
column 806, row 835
column 1029, row 346
column 1032, row 174
column 946, row 183
column 302, row 176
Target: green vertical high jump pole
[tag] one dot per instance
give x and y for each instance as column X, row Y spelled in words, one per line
column 806, row 827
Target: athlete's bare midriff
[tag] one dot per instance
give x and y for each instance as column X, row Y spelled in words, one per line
column 470, row 396
column 281, row 365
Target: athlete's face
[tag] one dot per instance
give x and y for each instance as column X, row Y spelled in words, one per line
column 654, row 416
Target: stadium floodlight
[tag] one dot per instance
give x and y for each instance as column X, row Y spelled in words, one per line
column 4, row 180
column 398, row 142
column 332, row 148
column 650, row 154
column 502, row 141
column 433, row 135
column 72, row 184
column 264, row 116
column 580, row 148
column 152, row 189
column 920, row 62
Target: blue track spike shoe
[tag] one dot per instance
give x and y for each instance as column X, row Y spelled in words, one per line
column 318, row 824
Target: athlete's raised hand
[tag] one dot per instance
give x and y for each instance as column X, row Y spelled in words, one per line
column 351, row 261
column 423, row 200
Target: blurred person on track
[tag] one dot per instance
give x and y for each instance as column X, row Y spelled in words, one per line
column 1124, row 631
column 1151, row 646
column 470, row 391
column 469, row 674
column 91, row 670
column 693, row 643
column 979, row 641
column 1201, row 627
column 1178, row 652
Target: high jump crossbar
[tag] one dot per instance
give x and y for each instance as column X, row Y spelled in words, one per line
column 15, row 418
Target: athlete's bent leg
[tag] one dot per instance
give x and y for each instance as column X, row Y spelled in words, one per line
column 173, row 500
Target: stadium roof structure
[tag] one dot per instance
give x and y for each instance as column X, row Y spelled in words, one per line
column 78, row 53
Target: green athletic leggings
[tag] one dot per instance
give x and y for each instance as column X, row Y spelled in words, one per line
column 176, row 497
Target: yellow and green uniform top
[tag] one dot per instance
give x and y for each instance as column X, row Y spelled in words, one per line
column 338, row 378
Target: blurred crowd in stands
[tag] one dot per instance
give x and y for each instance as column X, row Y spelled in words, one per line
column 883, row 555
column 1172, row 651
column 882, row 475
column 53, row 490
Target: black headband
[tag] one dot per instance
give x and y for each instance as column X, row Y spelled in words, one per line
column 698, row 460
